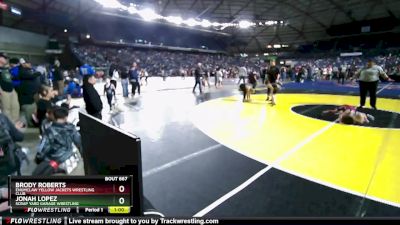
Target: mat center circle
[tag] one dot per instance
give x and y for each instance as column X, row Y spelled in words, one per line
column 382, row 118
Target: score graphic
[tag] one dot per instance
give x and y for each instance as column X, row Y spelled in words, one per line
column 99, row 194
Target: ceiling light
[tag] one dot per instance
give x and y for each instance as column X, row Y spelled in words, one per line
column 277, row 46
column 114, row 4
column 245, row 24
column 87, row 36
column 174, row 19
column 205, row 23
column 65, row 30
column 132, row 10
column 191, row 22
column 269, row 23
column 16, row 11
column 148, row 14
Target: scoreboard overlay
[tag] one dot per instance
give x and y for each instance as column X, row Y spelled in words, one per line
column 68, row 194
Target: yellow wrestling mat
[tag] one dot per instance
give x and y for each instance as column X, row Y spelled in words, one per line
column 360, row 160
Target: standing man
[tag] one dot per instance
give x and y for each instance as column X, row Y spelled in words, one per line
column 283, row 73
column 206, row 78
column 134, row 79
column 58, row 77
column 218, row 77
column 29, row 87
column 252, row 78
column 93, row 103
column 8, row 96
column 242, row 74
column 125, row 81
column 271, row 82
column 197, row 76
column 263, row 73
column 368, row 78
column 341, row 75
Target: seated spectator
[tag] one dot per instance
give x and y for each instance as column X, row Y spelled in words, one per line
column 44, row 103
column 59, row 145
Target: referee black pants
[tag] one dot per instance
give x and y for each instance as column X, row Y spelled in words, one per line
column 370, row 87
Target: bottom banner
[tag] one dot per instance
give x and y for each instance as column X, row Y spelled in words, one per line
column 199, row 221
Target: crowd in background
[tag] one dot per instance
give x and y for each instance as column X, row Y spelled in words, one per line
column 165, row 63
column 156, row 63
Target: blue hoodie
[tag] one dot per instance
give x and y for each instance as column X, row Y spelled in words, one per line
column 14, row 71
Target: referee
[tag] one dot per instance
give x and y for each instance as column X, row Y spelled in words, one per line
column 368, row 78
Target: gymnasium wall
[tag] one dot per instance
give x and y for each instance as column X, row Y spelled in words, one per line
column 17, row 43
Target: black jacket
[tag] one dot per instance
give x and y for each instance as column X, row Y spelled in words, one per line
column 58, row 76
column 30, row 85
column 92, row 99
column 198, row 73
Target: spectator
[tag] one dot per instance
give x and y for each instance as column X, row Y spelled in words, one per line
column 263, row 74
column 58, row 77
column 9, row 134
column 109, row 91
column 134, row 79
column 4, row 196
column 43, row 74
column 14, row 71
column 94, row 106
column 253, row 79
column 28, row 89
column 144, row 75
column 218, row 78
column 46, row 94
column 272, row 80
column 283, row 73
column 125, row 81
column 197, row 76
column 242, row 74
column 341, row 75
column 8, row 96
column 57, row 145
column 74, row 89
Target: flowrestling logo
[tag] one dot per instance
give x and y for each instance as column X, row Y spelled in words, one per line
column 33, row 220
